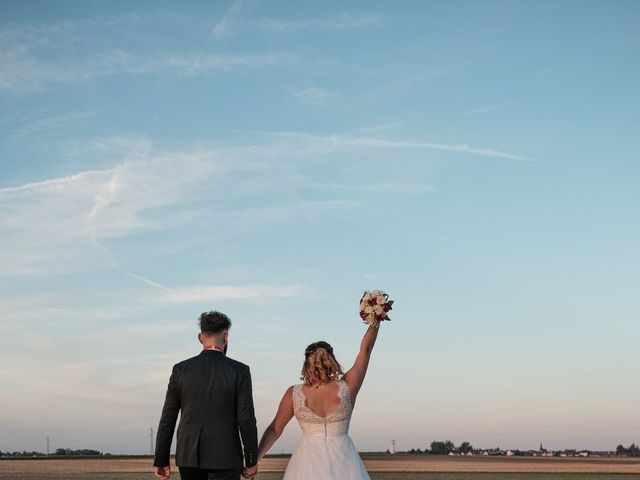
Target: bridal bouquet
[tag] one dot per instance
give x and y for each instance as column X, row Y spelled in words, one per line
column 374, row 306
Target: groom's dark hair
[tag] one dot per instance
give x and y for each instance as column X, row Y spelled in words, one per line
column 214, row 322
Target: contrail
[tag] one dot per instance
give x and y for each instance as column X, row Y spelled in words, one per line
column 143, row 279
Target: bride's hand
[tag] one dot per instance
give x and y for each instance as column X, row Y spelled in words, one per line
column 250, row 472
column 162, row 473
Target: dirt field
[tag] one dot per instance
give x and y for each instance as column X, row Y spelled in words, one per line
column 382, row 467
column 374, row 476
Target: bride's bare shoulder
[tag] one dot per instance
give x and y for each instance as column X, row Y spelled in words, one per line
column 287, row 399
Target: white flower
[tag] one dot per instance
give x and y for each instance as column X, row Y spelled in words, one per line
column 374, row 306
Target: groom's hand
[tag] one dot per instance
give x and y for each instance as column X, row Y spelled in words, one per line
column 163, row 473
column 250, row 472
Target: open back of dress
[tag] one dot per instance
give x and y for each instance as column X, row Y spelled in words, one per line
column 325, row 452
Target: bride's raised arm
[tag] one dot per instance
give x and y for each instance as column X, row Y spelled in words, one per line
column 355, row 376
column 275, row 429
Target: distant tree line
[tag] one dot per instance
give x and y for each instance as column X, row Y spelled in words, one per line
column 24, row 453
column 631, row 451
column 59, row 452
column 76, row 453
column 444, row 448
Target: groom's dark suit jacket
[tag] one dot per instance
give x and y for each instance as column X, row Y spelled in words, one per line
column 213, row 394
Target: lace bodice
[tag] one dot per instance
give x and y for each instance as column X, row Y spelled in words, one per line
column 338, row 419
column 325, row 451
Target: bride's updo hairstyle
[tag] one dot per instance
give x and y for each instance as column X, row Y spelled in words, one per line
column 320, row 365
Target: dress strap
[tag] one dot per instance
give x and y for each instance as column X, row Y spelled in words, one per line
column 298, row 398
column 345, row 394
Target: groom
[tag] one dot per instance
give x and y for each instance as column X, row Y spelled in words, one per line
column 213, row 394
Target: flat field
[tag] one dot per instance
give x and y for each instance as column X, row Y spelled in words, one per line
column 381, row 467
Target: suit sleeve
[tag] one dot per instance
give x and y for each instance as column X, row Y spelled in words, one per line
column 247, row 419
column 167, row 422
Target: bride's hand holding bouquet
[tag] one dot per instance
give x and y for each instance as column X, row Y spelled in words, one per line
column 375, row 307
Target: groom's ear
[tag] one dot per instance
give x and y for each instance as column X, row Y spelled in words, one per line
column 200, row 337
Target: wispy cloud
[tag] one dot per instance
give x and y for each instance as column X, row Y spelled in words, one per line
column 314, row 95
column 486, row 109
column 381, row 127
column 200, row 63
column 342, row 141
column 458, row 148
column 346, row 21
column 36, row 126
column 144, row 279
column 187, row 63
column 227, row 24
column 401, row 188
column 30, row 59
column 64, row 224
column 23, row 72
column 43, row 34
column 58, row 223
column 69, row 308
column 224, row 292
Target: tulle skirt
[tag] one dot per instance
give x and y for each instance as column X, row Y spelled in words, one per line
column 320, row 457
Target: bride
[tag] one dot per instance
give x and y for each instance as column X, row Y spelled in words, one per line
column 323, row 405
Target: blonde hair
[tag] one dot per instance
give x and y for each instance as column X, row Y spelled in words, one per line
column 320, row 365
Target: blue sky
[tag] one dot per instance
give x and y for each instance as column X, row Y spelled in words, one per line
column 477, row 160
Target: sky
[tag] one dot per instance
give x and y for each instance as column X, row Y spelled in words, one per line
column 478, row 161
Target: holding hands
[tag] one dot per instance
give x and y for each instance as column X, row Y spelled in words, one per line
column 162, row 473
column 250, row 472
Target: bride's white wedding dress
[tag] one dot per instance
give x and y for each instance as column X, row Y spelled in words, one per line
column 326, row 451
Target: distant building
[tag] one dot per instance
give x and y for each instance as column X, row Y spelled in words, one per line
column 392, row 447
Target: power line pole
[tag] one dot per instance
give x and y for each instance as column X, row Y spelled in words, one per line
column 150, row 440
